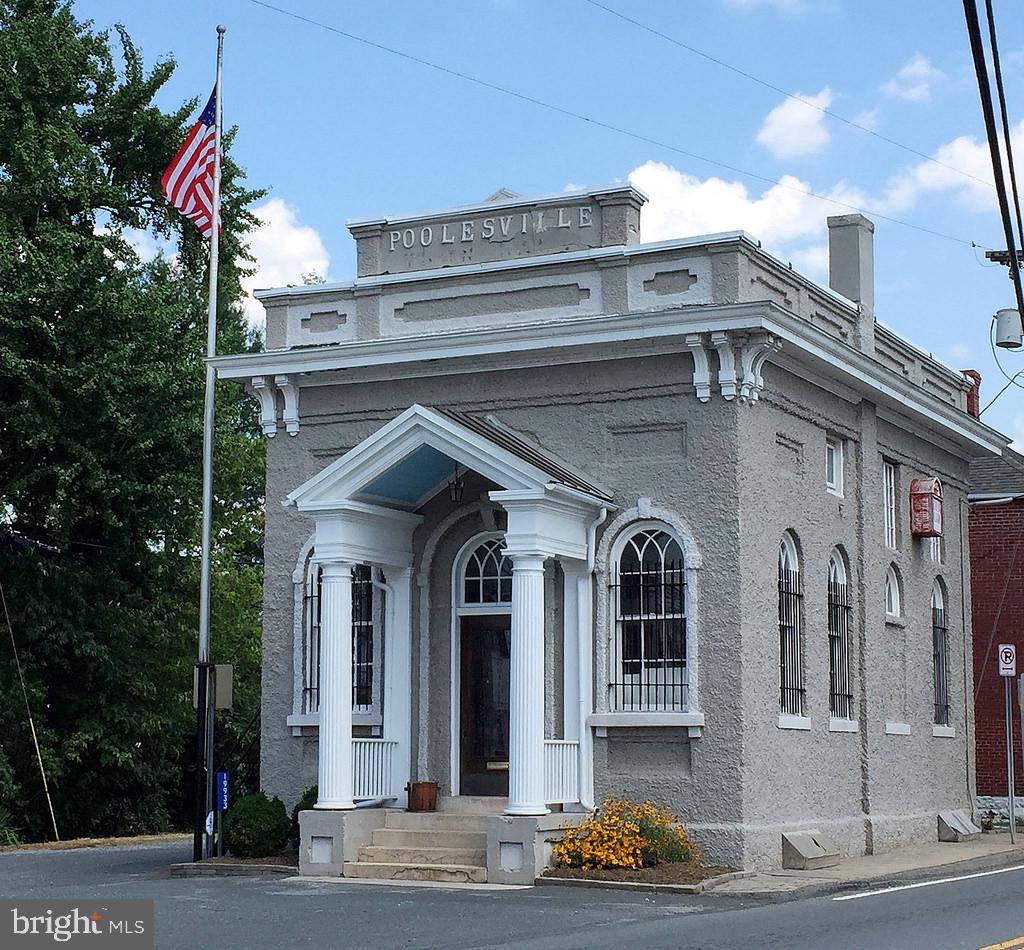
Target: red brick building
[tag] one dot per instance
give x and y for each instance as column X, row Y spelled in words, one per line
column 996, row 525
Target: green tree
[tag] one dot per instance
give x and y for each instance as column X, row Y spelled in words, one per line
column 101, row 388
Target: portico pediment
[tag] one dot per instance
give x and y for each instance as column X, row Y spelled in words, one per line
column 406, row 462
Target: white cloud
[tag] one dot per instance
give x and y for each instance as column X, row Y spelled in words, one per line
column 812, row 262
column 963, row 154
column 959, row 352
column 914, row 80
column 1016, row 428
column 795, row 127
column 683, row 205
column 284, row 250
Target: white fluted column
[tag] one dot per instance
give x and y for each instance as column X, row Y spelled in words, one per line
column 335, row 747
column 526, row 700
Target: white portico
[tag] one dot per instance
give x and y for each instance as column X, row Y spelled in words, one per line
column 364, row 507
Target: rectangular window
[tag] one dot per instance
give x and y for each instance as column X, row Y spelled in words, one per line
column 834, row 466
column 889, row 502
column 937, row 550
column 362, row 639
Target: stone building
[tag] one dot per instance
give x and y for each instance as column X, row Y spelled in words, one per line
column 996, row 524
column 554, row 515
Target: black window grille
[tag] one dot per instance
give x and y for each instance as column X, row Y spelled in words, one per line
column 791, row 673
column 940, row 663
column 840, row 690
column 362, row 640
column 648, row 662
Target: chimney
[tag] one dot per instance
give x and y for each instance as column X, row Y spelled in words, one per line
column 851, row 270
column 974, row 393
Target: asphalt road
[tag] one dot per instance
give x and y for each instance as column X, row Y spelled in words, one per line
column 255, row 914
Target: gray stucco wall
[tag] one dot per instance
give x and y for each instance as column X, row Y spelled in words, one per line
column 828, row 780
column 635, row 427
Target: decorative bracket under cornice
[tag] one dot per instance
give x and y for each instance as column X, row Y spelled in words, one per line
column 291, row 403
column 701, row 370
column 264, row 389
column 741, row 356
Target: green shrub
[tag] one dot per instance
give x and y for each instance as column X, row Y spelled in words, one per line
column 308, row 800
column 8, row 832
column 256, row 826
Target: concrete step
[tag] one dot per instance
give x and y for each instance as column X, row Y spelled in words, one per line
column 378, row 854
column 412, row 838
column 471, row 804
column 435, row 821
column 444, row 873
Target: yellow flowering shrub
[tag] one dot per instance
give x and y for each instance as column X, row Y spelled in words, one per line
column 623, row 834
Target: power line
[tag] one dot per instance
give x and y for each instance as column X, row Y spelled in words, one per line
column 789, row 95
column 981, row 70
column 1010, row 380
column 1006, row 122
column 598, row 123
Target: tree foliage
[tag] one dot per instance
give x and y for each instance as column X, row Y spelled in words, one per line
column 101, row 389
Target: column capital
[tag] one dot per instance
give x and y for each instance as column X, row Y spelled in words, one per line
column 336, row 568
column 532, row 561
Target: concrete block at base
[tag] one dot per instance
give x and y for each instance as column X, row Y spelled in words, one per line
column 807, row 850
column 956, row 826
column 327, row 839
column 519, row 846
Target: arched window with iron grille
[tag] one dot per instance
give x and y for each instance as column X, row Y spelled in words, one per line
column 648, row 661
column 791, row 667
column 840, row 679
column 940, row 655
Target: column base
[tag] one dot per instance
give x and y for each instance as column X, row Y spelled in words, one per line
column 527, row 810
column 519, row 847
column 334, row 806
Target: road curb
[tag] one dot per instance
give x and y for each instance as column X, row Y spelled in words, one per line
column 699, row 888
column 232, row 870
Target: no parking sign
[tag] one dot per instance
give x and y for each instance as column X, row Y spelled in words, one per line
column 1007, row 659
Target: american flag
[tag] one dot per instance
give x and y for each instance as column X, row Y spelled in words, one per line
column 188, row 181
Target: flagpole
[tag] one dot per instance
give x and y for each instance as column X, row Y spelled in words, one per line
column 204, row 671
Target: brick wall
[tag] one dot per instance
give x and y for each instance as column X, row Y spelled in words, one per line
column 997, row 578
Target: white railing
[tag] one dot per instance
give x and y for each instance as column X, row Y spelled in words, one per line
column 561, row 771
column 371, row 768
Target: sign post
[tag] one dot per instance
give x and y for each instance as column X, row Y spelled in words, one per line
column 222, row 806
column 1008, row 671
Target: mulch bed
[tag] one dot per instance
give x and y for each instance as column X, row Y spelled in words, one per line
column 73, row 843
column 659, row 874
column 285, row 858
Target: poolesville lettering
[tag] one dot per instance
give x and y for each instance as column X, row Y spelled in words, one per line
column 503, row 227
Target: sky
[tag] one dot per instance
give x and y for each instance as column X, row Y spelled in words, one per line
column 337, row 129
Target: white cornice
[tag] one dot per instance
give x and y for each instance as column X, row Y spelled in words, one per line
column 616, row 336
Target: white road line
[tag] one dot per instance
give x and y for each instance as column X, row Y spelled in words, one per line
column 941, row 880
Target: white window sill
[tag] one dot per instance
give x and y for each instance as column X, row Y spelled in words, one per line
column 843, row 725
column 944, row 732
column 299, row 721
column 788, row 721
column 897, row 729
column 832, row 490
column 691, row 721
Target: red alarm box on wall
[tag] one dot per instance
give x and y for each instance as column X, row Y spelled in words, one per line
column 926, row 508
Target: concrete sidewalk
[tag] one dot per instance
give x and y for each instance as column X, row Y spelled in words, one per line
column 990, row 850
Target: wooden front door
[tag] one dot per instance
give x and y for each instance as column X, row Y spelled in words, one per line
column 484, row 704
